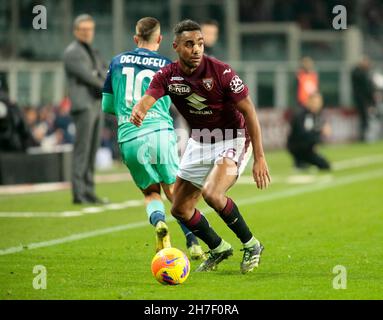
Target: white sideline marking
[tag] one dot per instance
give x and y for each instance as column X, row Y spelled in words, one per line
column 314, row 178
column 73, row 237
column 263, row 198
column 77, row 213
column 120, row 177
column 307, row 178
column 370, row 175
column 292, row 179
column 34, row 188
column 59, row 186
column 357, row 162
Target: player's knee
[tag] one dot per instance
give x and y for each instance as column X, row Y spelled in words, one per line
column 181, row 212
column 153, row 189
column 177, row 212
column 324, row 165
column 169, row 196
column 212, row 197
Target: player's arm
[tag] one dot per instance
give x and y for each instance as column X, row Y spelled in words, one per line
column 140, row 109
column 260, row 170
column 107, row 102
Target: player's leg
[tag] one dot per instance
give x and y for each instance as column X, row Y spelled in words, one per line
column 299, row 162
column 220, row 179
column 95, row 142
column 81, row 153
column 167, row 167
column 363, row 121
column 186, row 196
column 155, row 210
column 195, row 250
column 136, row 156
column 317, row 160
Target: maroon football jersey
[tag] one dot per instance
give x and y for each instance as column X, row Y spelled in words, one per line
column 206, row 98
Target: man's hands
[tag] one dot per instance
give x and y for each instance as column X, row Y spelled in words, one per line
column 140, row 109
column 138, row 115
column 260, row 170
column 261, row 173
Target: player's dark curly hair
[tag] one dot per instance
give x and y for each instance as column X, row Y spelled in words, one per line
column 186, row 25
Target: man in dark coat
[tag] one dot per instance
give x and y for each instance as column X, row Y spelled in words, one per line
column 86, row 73
column 363, row 92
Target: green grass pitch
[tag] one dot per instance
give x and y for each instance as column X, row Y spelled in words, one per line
column 309, row 223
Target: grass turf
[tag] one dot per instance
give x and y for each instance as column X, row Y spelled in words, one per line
column 306, row 234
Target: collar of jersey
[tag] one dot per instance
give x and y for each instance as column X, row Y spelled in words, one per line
column 145, row 50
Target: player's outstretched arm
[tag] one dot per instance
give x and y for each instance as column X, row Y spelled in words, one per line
column 107, row 103
column 260, row 170
column 140, row 109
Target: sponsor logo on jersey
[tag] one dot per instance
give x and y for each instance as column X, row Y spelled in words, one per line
column 179, row 89
column 208, row 83
column 196, row 101
column 176, row 79
column 236, row 84
column 201, row 112
column 150, row 115
column 226, row 71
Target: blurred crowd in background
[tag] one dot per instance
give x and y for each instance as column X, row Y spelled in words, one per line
column 49, row 126
column 52, row 125
column 314, row 14
column 367, row 15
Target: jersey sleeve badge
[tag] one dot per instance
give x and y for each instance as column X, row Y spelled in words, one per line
column 236, row 84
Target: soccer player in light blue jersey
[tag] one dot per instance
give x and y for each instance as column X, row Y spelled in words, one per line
column 150, row 152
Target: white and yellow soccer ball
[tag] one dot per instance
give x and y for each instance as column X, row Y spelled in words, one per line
column 170, row 266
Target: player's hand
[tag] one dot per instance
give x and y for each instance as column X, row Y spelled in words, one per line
column 138, row 115
column 261, row 173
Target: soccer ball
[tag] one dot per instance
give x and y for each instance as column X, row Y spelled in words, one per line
column 170, row 266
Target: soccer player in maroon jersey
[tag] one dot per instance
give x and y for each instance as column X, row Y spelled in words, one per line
column 217, row 106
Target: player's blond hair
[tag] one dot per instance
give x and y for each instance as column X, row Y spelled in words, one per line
column 146, row 28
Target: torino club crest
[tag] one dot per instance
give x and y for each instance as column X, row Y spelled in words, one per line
column 208, row 83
